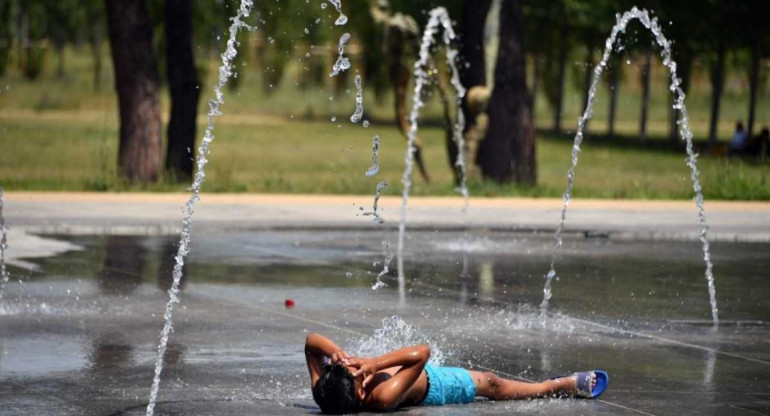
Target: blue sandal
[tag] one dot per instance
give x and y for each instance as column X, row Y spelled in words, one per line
column 583, row 383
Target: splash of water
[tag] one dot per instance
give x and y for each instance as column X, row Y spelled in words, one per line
column 439, row 17
column 385, row 268
column 356, row 117
column 342, row 19
column 375, row 168
column 518, row 321
column 377, row 217
column 343, row 63
column 395, row 333
column 685, row 132
column 225, row 72
column 4, row 276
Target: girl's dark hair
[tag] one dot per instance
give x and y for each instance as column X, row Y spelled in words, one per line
column 335, row 390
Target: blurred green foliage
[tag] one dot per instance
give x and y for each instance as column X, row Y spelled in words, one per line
column 289, row 29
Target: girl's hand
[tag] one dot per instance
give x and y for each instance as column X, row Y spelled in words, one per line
column 366, row 368
column 340, row 357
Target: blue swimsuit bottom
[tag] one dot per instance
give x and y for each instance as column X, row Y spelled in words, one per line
column 448, row 385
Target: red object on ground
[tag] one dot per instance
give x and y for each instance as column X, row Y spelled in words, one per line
column 289, row 303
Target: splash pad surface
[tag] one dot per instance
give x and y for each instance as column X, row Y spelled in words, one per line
column 82, row 335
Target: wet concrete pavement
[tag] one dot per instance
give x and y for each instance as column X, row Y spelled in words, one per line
column 79, row 335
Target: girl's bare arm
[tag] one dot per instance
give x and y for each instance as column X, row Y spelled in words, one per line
column 317, row 348
column 390, row 393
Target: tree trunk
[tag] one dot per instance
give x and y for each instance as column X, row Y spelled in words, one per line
column 536, row 68
column 473, row 69
column 60, row 59
column 136, row 82
column 6, row 35
column 563, row 51
column 756, row 60
column 614, row 86
column 95, row 37
column 442, row 84
column 23, row 24
column 508, row 151
column 184, row 88
column 589, row 70
column 645, row 94
column 717, row 82
column 96, row 53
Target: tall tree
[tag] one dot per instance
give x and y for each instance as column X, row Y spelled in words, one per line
column 646, row 67
column 687, row 32
column 6, row 35
column 508, row 151
column 615, row 73
column 722, row 37
column 136, row 82
column 754, row 70
column 94, row 12
column 276, row 40
column 33, row 18
column 184, row 88
column 589, row 70
column 371, row 36
column 549, row 23
column 64, row 16
column 473, row 71
column 757, row 41
column 717, row 85
column 561, row 72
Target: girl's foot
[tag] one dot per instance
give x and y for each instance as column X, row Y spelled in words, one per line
column 587, row 385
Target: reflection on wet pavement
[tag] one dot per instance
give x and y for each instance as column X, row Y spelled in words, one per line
column 79, row 337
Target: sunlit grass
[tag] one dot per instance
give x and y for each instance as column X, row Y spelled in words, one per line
column 289, row 156
column 61, row 134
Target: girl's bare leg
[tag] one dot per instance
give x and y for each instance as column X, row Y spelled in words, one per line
column 492, row 386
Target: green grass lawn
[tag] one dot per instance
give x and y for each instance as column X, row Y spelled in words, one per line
column 251, row 154
column 58, row 134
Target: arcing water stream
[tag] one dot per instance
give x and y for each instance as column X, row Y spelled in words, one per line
column 359, row 113
column 342, row 19
column 684, row 128
column 343, row 62
column 375, row 168
column 438, row 18
column 225, row 71
column 4, row 277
